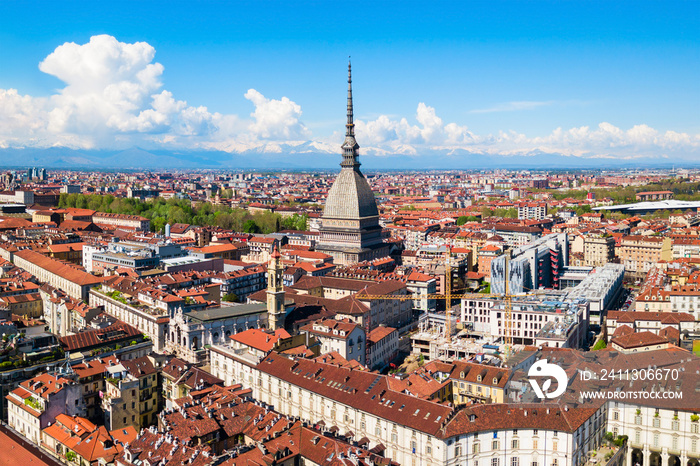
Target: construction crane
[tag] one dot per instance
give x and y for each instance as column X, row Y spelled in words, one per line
column 450, row 294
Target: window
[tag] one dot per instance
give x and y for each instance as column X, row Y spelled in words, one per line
column 534, row 444
column 674, row 442
column 534, row 432
column 394, row 437
column 514, row 444
column 656, row 439
column 638, row 436
column 616, row 416
column 428, row 449
column 494, row 461
column 694, row 445
column 458, row 451
column 378, row 431
column 694, row 428
column 494, row 445
column 657, row 422
column 475, row 447
column 515, row 461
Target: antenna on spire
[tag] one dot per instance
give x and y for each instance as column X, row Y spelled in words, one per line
column 350, row 145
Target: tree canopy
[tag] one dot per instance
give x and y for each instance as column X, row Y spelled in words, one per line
column 161, row 212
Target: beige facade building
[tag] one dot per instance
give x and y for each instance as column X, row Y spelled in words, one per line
column 640, row 253
column 598, row 250
column 74, row 281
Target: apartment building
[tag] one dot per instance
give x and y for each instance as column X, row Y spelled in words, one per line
column 89, row 443
column 132, row 395
column 414, row 430
column 598, row 250
column 532, row 210
column 75, row 282
column 133, row 222
column 37, row 402
column 655, row 322
column 640, row 253
column 342, row 336
column 152, row 322
column 144, row 370
column 120, row 402
column 91, row 376
column 383, row 347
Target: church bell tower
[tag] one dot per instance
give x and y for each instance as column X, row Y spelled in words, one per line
column 275, row 292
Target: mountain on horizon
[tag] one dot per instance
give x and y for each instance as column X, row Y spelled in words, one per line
column 307, row 156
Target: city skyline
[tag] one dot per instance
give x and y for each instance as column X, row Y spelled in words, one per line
column 521, row 84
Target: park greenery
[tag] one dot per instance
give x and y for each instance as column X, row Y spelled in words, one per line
column 161, row 212
column 682, row 188
column 466, row 219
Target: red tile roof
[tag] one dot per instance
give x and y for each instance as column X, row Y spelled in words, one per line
column 99, row 337
column 259, row 339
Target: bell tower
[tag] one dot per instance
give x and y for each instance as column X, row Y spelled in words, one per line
column 275, row 292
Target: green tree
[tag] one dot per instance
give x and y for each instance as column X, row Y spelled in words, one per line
column 251, row 227
column 462, row 219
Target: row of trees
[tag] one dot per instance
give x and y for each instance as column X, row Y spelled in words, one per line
column 161, row 212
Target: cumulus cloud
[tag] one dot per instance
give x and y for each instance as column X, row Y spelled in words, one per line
column 384, row 135
column 113, row 95
column 276, row 119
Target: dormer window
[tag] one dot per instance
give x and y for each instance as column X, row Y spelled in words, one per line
column 478, row 378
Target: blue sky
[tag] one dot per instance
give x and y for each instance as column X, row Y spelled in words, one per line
column 505, row 75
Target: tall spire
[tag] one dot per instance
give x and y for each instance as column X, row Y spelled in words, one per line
column 350, row 126
column 350, row 146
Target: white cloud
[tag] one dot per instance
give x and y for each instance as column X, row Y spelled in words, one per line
column 113, row 98
column 276, row 119
column 384, row 135
column 113, row 95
